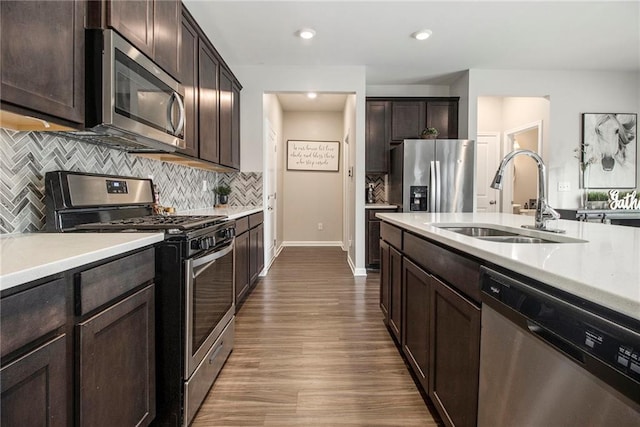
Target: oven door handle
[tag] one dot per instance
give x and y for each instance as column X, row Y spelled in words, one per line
column 201, row 264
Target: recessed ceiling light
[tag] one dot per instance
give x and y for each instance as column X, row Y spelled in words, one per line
column 421, row 35
column 306, row 33
column 312, row 95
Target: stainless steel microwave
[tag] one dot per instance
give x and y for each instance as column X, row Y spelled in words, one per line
column 131, row 102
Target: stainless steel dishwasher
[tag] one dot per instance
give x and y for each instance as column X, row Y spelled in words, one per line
column 550, row 359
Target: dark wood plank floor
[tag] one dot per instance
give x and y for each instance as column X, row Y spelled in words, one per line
column 311, row 350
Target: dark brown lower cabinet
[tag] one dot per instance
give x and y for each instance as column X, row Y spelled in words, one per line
column 415, row 334
column 395, row 283
column 34, row 387
column 454, row 355
column 256, row 258
column 242, row 266
column 116, row 378
column 385, row 289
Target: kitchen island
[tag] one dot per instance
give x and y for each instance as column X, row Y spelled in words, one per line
column 455, row 290
column 604, row 269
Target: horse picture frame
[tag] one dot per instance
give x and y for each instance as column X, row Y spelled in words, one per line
column 609, row 147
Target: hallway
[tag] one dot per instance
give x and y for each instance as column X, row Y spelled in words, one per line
column 311, row 349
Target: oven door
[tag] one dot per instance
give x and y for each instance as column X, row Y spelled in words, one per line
column 210, row 305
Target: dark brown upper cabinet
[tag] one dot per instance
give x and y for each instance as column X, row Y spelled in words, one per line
column 42, row 57
column 208, row 69
column 212, row 100
column 407, row 120
column 392, row 120
column 152, row 26
column 189, row 79
column 377, row 136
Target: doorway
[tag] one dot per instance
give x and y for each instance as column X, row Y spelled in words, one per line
column 521, row 180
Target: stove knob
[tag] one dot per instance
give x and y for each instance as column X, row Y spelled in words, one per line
column 211, row 241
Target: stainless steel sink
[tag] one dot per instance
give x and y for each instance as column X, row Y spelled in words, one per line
column 504, row 234
column 516, row 239
column 478, row 231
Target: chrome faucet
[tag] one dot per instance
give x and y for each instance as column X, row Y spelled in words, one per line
column 544, row 212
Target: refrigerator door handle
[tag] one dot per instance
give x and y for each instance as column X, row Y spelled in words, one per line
column 438, row 185
column 432, row 186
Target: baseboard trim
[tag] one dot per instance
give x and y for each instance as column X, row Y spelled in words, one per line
column 312, row 243
column 356, row 271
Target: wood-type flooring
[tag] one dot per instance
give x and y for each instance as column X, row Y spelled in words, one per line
column 311, row 350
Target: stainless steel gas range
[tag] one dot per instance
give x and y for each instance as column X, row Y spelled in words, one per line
column 194, row 279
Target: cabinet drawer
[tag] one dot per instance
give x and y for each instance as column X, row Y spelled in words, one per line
column 391, row 234
column 242, row 225
column 256, row 219
column 458, row 271
column 29, row 315
column 102, row 284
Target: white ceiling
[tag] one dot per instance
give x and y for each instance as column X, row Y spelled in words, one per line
column 534, row 35
column 301, row 102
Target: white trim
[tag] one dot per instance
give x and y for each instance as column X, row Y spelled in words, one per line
column 357, row 272
column 312, row 243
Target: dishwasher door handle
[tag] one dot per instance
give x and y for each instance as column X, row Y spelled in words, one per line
column 556, row 342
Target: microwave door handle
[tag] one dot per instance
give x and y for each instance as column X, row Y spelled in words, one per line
column 173, row 99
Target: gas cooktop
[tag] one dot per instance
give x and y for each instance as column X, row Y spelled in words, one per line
column 156, row 222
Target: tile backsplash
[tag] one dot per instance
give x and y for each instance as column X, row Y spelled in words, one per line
column 25, row 157
column 378, row 187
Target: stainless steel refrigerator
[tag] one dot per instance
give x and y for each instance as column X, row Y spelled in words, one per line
column 433, row 175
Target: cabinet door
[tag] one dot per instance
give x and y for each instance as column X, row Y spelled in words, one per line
column 235, row 127
column 189, row 79
column 34, row 387
column 208, row 66
column 415, row 309
column 226, row 115
column 167, row 16
column 395, row 278
column 116, row 364
column 242, row 267
column 408, row 119
column 42, row 57
column 385, row 282
column 373, row 242
column 134, row 20
column 256, row 252
column 377, row 137
column 443, row 115
column 454, row 355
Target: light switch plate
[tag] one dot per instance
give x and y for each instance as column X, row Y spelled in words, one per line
column 564, row 186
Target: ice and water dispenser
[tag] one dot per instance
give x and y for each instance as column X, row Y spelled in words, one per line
column 418, row 197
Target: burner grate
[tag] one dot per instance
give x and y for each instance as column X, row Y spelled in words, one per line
column 156, row 222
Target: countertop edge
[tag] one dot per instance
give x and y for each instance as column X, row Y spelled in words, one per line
column 380, row 206
column 20, row 277
column 625, row 306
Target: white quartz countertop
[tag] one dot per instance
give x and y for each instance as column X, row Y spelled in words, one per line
column 31, row 256
column 233, row 212
column 379, row 206
column 605, row 269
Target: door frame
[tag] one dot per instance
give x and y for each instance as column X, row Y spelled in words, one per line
column 507, row 147
column 271, row 221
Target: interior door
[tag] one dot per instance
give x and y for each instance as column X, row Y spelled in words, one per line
column 271, row 146
column 488, row 152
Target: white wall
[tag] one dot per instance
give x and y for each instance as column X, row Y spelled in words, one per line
column 311, row 198
column 273, row 113
column 570, row 93
column 407, row 90
column 461, row 88
column 258, row 80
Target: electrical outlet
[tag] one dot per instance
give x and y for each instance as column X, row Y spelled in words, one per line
column 564, row 186
column 320, row 226
column 204, row 186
